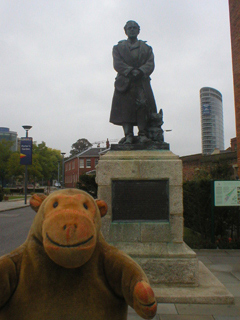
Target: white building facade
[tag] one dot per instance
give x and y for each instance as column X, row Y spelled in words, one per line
column 6, row 134
column 211, row 120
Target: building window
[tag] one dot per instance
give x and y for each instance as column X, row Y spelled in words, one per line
column 96, row 162
column 81, row 163
column 88, row 163
column 73, row 164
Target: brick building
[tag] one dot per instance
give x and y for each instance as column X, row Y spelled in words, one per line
column 83, row 162
column 234, row 10
column 192, row 164
column 234, row 144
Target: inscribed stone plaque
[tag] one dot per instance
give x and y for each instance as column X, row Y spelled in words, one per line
column 140, row 200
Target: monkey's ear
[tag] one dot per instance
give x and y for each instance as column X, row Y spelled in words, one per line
column 36, row 200
column 102, row 206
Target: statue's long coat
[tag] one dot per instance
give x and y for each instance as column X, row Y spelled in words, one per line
column 125, row 59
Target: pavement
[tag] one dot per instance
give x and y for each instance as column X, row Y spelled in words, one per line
column 13, row 204
column 224, row 264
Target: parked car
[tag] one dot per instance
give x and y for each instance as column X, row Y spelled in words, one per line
column 57, row 184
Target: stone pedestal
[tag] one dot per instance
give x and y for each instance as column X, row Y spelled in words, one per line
column 156, row 245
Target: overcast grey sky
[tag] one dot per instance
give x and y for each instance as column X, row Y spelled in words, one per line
column 57, row 73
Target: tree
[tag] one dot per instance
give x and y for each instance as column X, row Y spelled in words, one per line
column 44, row 163
column 35, row 170
column 79, row 146
column 5, row 153
column 14, row 168
column 220, row 170
column 16, row 171
column 48, row 160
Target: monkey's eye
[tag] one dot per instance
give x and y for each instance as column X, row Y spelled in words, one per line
column 85, row 206
column 55, row 204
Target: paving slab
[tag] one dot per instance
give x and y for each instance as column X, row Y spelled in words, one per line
column 236, row 274
column 185, row 317
column 211, row 252
column 162, row 308
column 132, row 316
column 205, row 260
column 207, row 309
column 166, row 308
column 209, row 291
column 233, row 252
column 221, row 267
column 234, row 289
column 226, row 318
column 224, row 259
column 226, row 277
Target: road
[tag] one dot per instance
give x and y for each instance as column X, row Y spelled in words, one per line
column 14, row 227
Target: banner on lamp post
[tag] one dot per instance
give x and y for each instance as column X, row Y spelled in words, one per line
column 26, row 151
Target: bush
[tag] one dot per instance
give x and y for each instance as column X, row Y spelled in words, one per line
column 198, row 218
column 1, row 194
column 37, row 190
column 87, row 183
column 6, row 191
column 197, row 206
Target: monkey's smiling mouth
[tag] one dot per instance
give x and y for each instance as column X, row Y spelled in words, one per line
column 68, row 245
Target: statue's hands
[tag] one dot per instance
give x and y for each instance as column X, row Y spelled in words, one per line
column 144, row 301
column 137, row 74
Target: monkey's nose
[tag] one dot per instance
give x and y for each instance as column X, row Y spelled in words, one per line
column 72, row 225
column 70, row 230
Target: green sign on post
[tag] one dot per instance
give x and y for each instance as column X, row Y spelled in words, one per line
column 226, row 193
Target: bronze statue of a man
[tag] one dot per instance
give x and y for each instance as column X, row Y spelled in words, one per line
column 133, row 101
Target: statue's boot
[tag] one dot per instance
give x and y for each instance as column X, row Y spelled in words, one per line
column 128, row 131
column 129, row 139
column 143, row 139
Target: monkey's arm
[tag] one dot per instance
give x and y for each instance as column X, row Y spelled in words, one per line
column 128, row 280
column 8, row 279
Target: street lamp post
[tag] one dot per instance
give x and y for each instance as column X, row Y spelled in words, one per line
column 27, row 128
column 63, row 153
column 58, row 184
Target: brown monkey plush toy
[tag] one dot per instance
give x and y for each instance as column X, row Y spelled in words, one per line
column 66, row 271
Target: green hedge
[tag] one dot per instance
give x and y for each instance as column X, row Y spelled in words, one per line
column 1, row 194
column 197, row 217
column 21, row 190
column 87, row 183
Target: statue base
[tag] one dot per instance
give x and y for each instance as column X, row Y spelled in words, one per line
column 157, row 245
column 132, row 182
column 152, row 145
